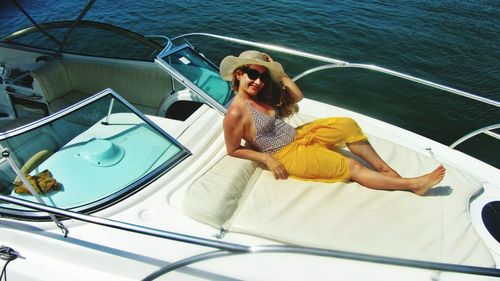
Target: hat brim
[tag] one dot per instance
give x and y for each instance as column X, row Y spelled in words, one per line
column 230, row 63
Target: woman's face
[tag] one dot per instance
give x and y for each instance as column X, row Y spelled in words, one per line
column 253, row 79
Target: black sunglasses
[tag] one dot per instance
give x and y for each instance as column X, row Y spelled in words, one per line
column 254, row 74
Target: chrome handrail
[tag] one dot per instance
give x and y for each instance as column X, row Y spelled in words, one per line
column 404, row 76
column 83, row 23
column 335, row 63
column 265, row 46
column 226, row 248
column 466, row 269
column 126, row 226
column 168, row 43
column 488, row 130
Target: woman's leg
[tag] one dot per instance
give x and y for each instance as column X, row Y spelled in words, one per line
column 376, row 180
column 337, row 131
column 366, row 151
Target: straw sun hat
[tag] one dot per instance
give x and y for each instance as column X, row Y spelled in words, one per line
column 230, row 63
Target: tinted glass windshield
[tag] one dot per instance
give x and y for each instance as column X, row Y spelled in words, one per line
column 200, row 72
column 87, row 158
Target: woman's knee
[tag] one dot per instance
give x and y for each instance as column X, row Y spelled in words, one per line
column 354, row 167
column 350, row 124
column 352, row 131
column 345, row 120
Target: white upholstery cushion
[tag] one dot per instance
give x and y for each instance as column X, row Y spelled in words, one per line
column 64, row 82
column 214, row 196
column 351, row 217
column 141, row 85
column 70, row 98
column 53, row 80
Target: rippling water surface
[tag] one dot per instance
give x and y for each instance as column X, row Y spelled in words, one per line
column 455, row 43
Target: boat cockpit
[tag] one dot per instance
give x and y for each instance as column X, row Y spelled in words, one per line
column 103, row 138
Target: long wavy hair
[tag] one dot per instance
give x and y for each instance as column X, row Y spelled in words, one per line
column 272, row 93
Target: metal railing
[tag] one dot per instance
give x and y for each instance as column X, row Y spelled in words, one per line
column 335, row 63
column 488, row 130
column 229, row 249
column 81, row 24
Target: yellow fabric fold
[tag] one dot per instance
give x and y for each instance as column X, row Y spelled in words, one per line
column 312, row 156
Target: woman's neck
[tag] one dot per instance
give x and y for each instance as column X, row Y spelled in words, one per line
column 256, row 103
column 245, row 95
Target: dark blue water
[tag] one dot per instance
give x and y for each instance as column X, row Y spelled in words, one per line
column 455, row 43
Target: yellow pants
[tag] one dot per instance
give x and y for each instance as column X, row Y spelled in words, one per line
column 311, row 156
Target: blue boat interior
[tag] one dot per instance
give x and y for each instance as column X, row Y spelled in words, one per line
column 98, row 151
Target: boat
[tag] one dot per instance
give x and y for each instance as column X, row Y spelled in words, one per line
column 114, row 168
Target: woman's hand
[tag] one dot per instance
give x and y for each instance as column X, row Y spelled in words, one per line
column 268, row 57
column 288, row 84
column 279, row 172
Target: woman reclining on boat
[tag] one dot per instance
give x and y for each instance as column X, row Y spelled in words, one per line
column 306, row 152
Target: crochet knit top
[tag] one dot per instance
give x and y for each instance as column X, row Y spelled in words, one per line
column 272, row 133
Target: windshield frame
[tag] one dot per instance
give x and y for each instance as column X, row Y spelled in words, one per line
column 204, row 96
column 118, row 195
column 9, row 39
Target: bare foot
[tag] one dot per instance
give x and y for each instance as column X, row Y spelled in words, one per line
column 422, row 184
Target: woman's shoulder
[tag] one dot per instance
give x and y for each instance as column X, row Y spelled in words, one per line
column 237, row 110
column 235, row 117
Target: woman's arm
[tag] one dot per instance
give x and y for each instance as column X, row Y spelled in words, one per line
column 233, row 134
column 289, row 85
column 292, row 88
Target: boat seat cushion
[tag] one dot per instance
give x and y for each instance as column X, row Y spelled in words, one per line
column 64, row 82
column 214, row 196
column 66, row 100
column 142, row 85
column 350, row 217
column 345, row 216
column 52, row 79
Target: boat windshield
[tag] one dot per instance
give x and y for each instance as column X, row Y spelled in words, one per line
column 86, row 157
column 89, row 38
column 197, row 73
